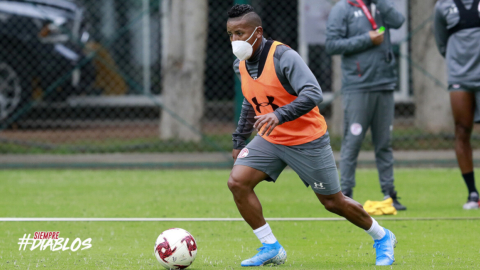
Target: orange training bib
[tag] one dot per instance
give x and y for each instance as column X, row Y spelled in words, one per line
column 266, row 94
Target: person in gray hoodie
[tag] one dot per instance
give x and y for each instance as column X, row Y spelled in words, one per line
column 369, row 78
column 457, row 33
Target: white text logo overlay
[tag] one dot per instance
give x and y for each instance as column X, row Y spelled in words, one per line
column 50, row 240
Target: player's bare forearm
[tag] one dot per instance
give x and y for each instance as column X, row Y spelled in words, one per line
column 235, row 153
column 266, row 123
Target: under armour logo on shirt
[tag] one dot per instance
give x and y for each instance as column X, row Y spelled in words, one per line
column 264, row 104
column 358, row 13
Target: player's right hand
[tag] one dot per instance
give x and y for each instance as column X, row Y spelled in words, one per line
column 235, row 153
column 377, row 38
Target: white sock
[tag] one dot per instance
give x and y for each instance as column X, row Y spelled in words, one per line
column 376, row 231
column 265, row 234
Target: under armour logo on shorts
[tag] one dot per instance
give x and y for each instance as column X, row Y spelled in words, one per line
column 318, row 185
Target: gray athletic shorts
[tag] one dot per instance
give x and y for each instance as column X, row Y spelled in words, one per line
column 475, row 91
column 316, row 167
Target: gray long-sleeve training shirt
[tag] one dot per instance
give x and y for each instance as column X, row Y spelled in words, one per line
column 461, row 50
column 365, row 67
column 296, row 78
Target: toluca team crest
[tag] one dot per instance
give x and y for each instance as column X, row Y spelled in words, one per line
column 243, row 153
column 356, row 129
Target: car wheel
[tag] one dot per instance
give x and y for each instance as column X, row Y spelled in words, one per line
column 10, row 90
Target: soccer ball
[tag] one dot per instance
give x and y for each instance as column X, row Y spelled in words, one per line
column 175, row 249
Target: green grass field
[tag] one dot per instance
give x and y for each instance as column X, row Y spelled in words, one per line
column 423, row 244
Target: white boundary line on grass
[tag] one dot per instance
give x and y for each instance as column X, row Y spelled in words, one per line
column 16, row 219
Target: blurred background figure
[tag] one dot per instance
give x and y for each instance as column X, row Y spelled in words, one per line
column 457, row 33
column 360, row 32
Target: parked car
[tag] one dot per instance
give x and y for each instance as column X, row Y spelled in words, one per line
column 41, row 50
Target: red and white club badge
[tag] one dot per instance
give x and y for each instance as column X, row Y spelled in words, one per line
column 356, row 129
column 243, row 153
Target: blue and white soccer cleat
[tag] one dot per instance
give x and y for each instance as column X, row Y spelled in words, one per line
column 268, row 253
column 384, row 248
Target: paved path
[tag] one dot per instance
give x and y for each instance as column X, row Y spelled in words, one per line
column 202, row 160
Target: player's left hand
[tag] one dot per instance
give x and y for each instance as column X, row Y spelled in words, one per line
column 266, row 123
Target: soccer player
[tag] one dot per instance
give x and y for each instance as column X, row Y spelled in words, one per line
column 359, row 31
column 281, row 98
column 457, row 33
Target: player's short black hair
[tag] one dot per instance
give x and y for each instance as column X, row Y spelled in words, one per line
column 239, row 10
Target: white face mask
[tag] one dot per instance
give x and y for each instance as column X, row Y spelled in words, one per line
column 242, row 49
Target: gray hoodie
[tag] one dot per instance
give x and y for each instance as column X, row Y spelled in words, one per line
column 365, row 67
column 462, row 49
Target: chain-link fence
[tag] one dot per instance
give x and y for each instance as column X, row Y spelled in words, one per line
column 89, row 76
